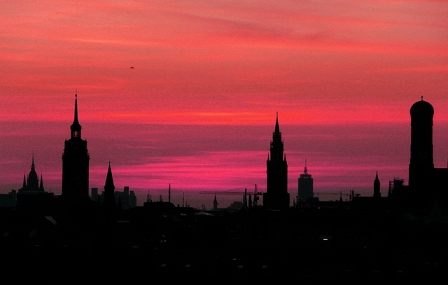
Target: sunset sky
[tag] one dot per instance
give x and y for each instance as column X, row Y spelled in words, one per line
column 198, row 108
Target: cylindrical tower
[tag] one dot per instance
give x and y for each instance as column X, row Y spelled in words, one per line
column 421, row 165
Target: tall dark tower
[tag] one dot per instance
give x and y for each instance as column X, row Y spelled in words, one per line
column 421, row 165
column 376, row 187
column 276, row 195
column 75, row 163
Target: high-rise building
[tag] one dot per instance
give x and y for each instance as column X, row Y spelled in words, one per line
column 276, row 196
column 305, row 186
column 75, row 163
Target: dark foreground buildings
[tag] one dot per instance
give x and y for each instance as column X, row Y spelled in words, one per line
column 401, row 237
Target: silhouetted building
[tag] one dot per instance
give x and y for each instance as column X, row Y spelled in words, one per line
column 94, row 194
column 374, row 202
column 305, row 187
column 32, row 194
column 31, row 183
column 8, row 200
column 276, row 196
column 376, row 187
column 215, row 204
column 428, row 186
column 109, row 189
column 396, row 188
column 126, row 199
column 75, row 163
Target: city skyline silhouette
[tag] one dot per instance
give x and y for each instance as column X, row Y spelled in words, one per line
column 333, row 114
column 204, row 89
column 396, row 236
column 194, row 196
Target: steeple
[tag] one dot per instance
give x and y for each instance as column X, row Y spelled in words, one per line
column 32, row 183
column 277, row 128
column 215, row 203
column 276, row 150
column 277, row 195
column 76, row 127
column 32, row 163
column 109, row 191
column 376, row 187
column 109, row 179
column 75, row 164
column 41, row 186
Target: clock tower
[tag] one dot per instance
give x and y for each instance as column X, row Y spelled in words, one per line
column 75, row 163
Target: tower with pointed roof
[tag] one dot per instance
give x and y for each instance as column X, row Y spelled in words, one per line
column 109, row 190
column 31, row 182
column 75, row 163
column 376, row 187
column 32, row 194
column 276, row 196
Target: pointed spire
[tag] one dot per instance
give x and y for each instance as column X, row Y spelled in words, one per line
column 76, row 109
column 24, row 182
column 41, row 186
column 305, row 170
column 109, row 193
column 32, row 163
column 277, row 128
column 109, row 179
column 76, row 127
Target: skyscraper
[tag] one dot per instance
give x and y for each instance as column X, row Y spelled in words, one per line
column 305, row 186
column 276, row 195
column 75, row 163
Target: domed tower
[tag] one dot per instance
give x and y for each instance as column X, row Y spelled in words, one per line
column 421, row 164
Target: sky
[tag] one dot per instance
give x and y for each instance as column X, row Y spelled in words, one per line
column 183, row 95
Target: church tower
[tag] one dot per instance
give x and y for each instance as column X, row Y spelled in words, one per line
column 276, row 195
column 109, row 191
column 376, row 187
column 32, row 182
column 421, row 164
column 75, row 163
